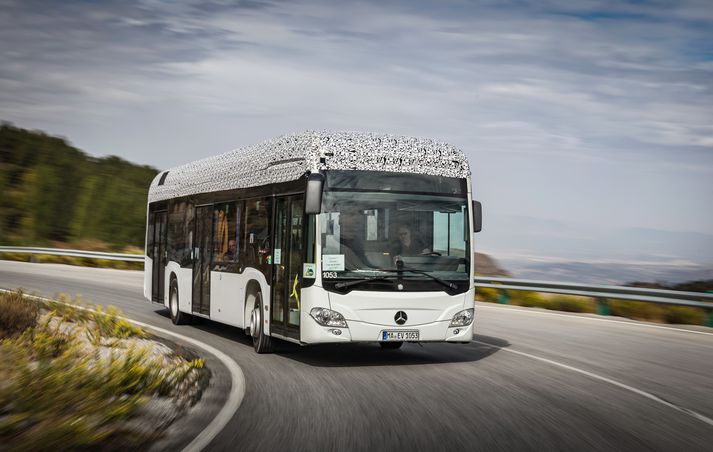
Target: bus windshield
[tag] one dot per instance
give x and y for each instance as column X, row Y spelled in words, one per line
column 378, row 223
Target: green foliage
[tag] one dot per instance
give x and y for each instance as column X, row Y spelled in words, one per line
column 16, row 314
column 527, row 299
column 569, row 303
column 54, row 192
column 685, row 314
column 639, row 310
column 486, row 294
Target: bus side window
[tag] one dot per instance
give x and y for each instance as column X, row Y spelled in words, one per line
column 257, row 233
column 225, row 237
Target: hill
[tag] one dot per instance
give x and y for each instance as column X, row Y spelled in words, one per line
column 53, row 192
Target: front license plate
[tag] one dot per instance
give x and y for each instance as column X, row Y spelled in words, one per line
column 399, row 335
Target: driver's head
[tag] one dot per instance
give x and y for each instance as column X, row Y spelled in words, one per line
column 404, row 235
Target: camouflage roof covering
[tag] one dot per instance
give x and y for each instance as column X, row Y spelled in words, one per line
column 289, row 157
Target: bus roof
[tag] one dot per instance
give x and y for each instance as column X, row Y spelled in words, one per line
column 289, row 157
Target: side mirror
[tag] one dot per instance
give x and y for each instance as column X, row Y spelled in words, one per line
column 477, row 216
column 313, row 195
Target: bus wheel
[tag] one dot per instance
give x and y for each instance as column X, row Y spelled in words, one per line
column 390, row 345
column 177, row 317
column 261, row 342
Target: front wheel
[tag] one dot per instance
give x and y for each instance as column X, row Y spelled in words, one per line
column 390, row 345
column 261, row 342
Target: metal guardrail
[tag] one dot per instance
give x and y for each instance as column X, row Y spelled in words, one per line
column 602, row 293
column 73, row 253
column 599, row 292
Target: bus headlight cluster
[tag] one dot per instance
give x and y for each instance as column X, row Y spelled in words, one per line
column 327, row 317
column 463, row 318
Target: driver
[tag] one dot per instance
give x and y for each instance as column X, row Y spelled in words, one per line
column 408, row 245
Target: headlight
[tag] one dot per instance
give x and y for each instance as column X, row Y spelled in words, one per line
column 327, row 317
column 463, row 318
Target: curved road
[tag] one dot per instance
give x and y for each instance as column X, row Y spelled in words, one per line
column 533, row 380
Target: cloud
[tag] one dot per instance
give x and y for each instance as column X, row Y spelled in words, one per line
column 618, row 91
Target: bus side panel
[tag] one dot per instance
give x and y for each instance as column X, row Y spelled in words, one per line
column 227, row 298
column 148, row 277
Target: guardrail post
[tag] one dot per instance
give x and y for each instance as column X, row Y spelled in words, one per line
column 503, row 297
column 602, row 306
column 33, row 258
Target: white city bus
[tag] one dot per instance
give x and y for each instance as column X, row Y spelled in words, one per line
column 319, row 237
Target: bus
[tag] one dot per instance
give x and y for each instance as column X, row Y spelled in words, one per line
column 319, row 237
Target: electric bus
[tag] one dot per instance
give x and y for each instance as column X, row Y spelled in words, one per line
column 319, row 237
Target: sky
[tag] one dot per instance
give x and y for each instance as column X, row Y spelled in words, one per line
column 588, row 124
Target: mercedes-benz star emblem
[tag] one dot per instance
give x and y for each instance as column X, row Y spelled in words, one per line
column 401, row 317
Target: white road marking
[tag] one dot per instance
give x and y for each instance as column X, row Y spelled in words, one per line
column 640, row 392
column 237, row 378
column 580, row 317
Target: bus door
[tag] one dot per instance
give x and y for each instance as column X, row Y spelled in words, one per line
column 158, row 255
column 202, row 248
column 287, row 259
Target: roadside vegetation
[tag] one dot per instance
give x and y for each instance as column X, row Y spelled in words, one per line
column 637, row 310
column 77, row 379
column 84, row 245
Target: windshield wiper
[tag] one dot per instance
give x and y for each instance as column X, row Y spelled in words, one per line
column 448, row 284
column 347, row 284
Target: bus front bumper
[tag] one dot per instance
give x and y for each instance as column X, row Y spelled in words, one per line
column 368, row 332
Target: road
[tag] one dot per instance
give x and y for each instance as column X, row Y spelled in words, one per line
column 534, row 380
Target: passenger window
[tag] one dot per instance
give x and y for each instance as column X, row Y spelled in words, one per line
column 257, row 244
column 226, row 237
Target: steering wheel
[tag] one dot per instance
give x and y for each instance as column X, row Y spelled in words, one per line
column 432, row 253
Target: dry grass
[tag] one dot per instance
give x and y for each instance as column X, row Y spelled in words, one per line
column 16, row 314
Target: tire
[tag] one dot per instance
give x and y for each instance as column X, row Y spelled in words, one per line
column 261, row 342
column 177, row 317
column 390, row 345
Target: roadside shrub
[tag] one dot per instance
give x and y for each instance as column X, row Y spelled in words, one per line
column 109, row 324
column 487, row 294
column 527, row 299
column 636, row 309
column 570, row 303
column 68, row 309
column 685, row 314
column 17, row 257
column 16, row 314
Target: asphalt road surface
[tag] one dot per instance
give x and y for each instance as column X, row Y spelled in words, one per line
column 534, row 380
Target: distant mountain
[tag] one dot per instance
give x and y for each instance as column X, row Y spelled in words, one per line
column 487, row 266
column 690, row 286
column 52, row 191
column 608, row 272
